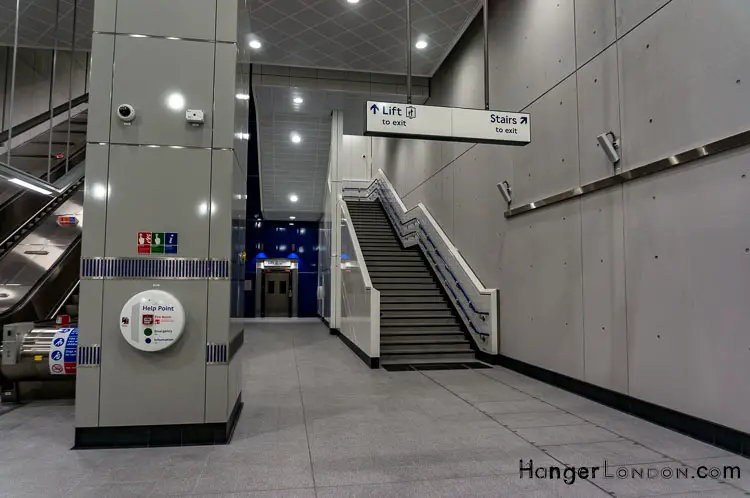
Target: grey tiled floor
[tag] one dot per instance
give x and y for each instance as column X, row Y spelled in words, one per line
column 318, row 423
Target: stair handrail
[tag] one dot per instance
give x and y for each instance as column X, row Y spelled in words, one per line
column 422, row 221
column 357, row 249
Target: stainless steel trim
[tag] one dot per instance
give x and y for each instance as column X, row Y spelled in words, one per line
column 9, row 143
column 486, row 17
column 156, row 146
column 681, row 159
column 162, row 37
column 408, row 51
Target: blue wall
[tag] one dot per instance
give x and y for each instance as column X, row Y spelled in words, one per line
column 279, row 239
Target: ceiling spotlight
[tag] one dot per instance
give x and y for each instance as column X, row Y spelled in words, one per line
column 292, row 217
column 421, row 44
column 242, row 96
column 296, row 138
column 255, row 44
column 293, row 198
column 298, row 100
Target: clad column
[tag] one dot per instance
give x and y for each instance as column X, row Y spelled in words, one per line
column 164, row 182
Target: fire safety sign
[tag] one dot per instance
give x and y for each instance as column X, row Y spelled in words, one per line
column 157, row 243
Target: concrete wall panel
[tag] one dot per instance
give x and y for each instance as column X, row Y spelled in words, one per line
column 549, row 164
column 688, row 278
column 699, row 52
column 595, row 28
column 630, row 13
column 605, row 325
column 598, row 112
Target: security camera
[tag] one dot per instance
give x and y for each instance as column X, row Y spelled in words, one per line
column 609, row 145
column 126, row 113
column 506, row 190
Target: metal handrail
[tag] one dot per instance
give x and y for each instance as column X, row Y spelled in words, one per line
column 64, row 194
column 41, row 118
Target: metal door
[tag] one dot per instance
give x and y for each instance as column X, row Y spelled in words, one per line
column 277, row 293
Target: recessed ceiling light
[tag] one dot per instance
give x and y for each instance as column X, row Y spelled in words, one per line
column 292, row 217
column 296, row 138
column 242, row 96
column 255, row 44
column 291, row 223
column 298, row 100
column 293, row 198
column 353, row 1
column 421, row 44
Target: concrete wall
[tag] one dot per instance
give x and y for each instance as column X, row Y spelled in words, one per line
column 642, row 288
column 33, row 72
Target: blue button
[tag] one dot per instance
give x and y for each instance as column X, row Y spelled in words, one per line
column 148, row 341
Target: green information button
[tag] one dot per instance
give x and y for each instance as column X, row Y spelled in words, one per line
column 157, row 243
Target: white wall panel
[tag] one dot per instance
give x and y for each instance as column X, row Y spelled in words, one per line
column 632, row 12
column 541, row 308
column 688, row 278
column 595, row 27
column 605, row 325
column 697, row 51
column 598, row 112
column 549, row 164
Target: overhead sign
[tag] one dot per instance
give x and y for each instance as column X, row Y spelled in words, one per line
column 152, row 320
column 447, row 123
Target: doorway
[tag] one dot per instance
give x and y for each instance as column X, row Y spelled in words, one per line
column 277, row 293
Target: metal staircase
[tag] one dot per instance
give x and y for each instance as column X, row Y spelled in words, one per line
column 418, row 324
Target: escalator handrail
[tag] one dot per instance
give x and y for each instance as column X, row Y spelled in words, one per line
column 42, row 117
column 30, row 221
column 41, row 281
column 59, row 306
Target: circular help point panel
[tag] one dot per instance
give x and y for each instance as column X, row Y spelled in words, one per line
column 152, row 320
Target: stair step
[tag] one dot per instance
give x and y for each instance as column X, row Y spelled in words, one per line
column 418, row 340
column 391, row 358
column 400, row 254
column 394, row 265
column 443, row 313
column 389, row 271
column 428, row 332
column 404, row 287
column 417, row 279
column 411, row 360
column 410, row 293
column 424, row 347
column 412, row 300
column 418, row 322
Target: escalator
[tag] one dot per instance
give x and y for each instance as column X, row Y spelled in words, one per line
column 40, row 251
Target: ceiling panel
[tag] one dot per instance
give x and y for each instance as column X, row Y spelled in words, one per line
column 368, row 36
column 37, row 23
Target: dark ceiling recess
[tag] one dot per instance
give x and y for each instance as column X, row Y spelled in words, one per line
column 253, row 165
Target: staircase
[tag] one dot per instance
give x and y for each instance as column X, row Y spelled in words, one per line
column 418, row 324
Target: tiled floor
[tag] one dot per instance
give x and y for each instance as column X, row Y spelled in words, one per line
column 317, row 422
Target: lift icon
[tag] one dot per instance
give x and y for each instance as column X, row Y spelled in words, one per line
column 411, row 112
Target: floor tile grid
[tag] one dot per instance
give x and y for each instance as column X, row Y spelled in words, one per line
column 614, row 430
column 563, row 464
column 304, row 416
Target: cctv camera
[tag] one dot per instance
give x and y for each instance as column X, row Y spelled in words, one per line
column 609, row 145
column 126, row 112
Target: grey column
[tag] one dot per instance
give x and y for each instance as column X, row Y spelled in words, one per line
column 159, row 173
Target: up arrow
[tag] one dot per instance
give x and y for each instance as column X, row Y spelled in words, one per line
column 374, row 108
column 524, row 119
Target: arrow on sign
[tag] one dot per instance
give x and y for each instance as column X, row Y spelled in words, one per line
column 374, row 108
column 524, row 119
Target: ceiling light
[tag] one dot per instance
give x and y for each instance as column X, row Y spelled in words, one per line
column 353, row 1
column 30, row 186
column 298, row 100
column 293, row 198
column 292, row 224
column 242, row 96
column 296, row 138
column 421, row 44
column 292, row 217
column 255, row 44
column 176, row 101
